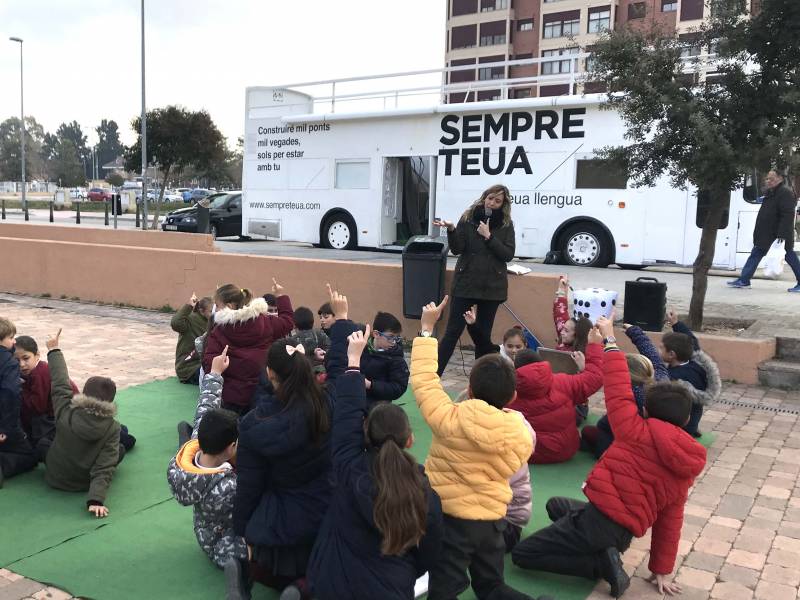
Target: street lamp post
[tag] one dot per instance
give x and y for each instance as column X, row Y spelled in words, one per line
column 22, row 125
column 144, row 137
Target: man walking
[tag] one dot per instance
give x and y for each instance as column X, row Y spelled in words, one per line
column 774, row 222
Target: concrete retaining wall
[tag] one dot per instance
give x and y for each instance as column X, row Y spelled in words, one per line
column 154, row 277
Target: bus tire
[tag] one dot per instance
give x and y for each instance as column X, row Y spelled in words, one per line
column 585, row 245
column 339, row 232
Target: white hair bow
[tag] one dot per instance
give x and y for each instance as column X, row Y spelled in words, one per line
column 290, row 350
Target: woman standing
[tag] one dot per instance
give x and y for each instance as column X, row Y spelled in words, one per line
column 483, row 240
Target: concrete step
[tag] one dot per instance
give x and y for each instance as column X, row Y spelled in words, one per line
column 783, row 374
column 787, row 348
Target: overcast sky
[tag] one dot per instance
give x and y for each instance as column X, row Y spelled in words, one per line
column 82, row 57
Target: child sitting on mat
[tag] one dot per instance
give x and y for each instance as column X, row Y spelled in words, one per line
column 642, row 481
column 201, row 474
column 36, row 414
column 477, row 446
column 86, row 449
column 384, row 526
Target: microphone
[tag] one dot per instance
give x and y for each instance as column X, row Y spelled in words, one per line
column 487, row 212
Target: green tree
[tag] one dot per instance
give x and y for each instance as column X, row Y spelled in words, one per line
column 108, row 145
column 707, row 131
column 115, row 179
column 10, row 155
column 176, row 139
column 67, row 168
column 73, row 133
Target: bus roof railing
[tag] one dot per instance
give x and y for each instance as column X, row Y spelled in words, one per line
column 569, row 73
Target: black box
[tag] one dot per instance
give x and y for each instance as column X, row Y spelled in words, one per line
column 645, row 303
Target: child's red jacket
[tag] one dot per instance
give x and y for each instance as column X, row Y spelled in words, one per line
column 643, row 479
column 548, row 402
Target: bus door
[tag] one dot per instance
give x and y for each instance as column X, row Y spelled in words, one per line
column 405, row 198
column 664, row 231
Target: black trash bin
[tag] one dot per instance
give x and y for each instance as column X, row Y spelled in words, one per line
column 424, row 264
column 203, row 217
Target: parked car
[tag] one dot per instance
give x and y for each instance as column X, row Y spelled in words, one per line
column 198, row 194
column 77, row 194
column 99, row 195
column 225, row 216
column 184, row 193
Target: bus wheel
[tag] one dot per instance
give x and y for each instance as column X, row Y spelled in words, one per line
column 339, row 232
column 585, row 245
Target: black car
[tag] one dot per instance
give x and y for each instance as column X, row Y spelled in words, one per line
column 225, row 216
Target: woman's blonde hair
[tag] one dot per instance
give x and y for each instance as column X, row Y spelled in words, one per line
column 640, row 368
column 506, row 208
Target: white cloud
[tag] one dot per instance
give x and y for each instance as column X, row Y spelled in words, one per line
column 82, row 57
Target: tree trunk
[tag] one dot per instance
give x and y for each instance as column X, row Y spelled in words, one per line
column 160, row 198
column 720, row 200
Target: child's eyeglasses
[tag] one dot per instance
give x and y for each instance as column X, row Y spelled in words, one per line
column 394, row 339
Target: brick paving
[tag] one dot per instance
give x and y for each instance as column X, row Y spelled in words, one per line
column 741, row 533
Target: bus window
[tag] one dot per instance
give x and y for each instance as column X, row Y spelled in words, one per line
column 751, row 188
column 352, row 175
column 597, row 174
column 703, row 206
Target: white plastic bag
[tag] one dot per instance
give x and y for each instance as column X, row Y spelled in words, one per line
column 773, row 261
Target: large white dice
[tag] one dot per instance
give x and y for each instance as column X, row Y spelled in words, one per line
column 593, row 303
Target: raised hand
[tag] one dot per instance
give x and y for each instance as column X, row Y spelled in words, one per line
column 672, row 316
column 52, row 341
column 471, row 315
column 356, row 342
column 193, row 300
column 563, row 284
column 595, row 337
column 220, row 363
column 277, row 288
column 431, row 313
column 338, row 303
column 606, row 326
column 483, row 230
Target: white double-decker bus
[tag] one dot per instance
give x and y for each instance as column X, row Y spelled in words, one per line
column 317, row 172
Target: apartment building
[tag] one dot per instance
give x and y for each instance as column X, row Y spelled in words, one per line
column 481, row 32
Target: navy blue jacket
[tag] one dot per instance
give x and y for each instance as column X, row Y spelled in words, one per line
column 387, row 370
column 10, row 396
column 691, row 372
column 346, row 562
column 284, row 480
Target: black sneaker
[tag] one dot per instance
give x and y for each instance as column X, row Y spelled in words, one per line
column 237, row 582
column 613, row 572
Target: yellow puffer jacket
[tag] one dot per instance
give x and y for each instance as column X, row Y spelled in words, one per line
column 476, row 448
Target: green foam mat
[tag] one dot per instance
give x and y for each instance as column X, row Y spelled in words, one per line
column 146, row 547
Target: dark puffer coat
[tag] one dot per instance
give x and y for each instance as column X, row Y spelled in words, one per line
column 481, row 268
column 776, row 218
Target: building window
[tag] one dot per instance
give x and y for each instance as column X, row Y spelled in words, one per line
column 490, row 5
column 669, row 5
column 558, row 29
column 464, row 7
column 597, row 174
column 637, row 10
column 599, row 19
column 523, row 93
column 558, row 66
column 462, row 75
column 493, row 33
column 691, row 45
column 692, row 10
column 525, row 25
column 463, row 37
column 485, row 73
